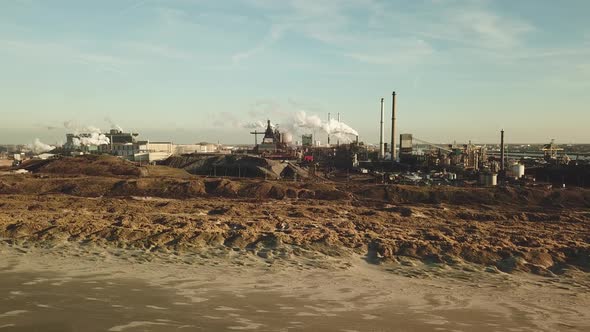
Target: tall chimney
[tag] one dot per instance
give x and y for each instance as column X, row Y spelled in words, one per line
column 382, row 132
column 502, row 158
column 328, row 132
column 393, row 154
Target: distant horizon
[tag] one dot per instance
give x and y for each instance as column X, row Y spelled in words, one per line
column 207, row 70
column 323, row 138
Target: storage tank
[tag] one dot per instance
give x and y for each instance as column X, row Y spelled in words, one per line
column 287, row 138
column 488, row 179
column 517, row 170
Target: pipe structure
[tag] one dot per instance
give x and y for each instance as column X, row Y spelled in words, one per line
column 393, row 152
column 502, row 151
column 382, row 132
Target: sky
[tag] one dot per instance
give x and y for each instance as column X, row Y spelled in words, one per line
column 200, row 70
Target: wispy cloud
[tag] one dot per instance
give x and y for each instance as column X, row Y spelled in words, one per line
column 274, row 34
column 401, row 52
column 159, row 50
column 478, row 28
column 374, row 40
column 335, row 24
column 265, row 107
column 59, row 52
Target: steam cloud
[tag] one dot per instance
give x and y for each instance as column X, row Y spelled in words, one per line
column 39, row 147
column 257, row 125
column 88, row 135
column 254, row 125
column 339, row 130
column 113, row 124
column 336, row 127
column 302, row 120
column 94, row 138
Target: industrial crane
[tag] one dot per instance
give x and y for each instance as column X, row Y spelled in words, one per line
column 432, row 145
column 256, row 133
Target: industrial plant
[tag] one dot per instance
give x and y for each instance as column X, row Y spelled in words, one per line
column 309, row 148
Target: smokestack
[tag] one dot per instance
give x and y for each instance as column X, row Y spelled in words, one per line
column 393, row 154
column 328, row 133
column 382, row 132
column 502, row 150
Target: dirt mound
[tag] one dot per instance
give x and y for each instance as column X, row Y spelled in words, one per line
column 232, row 165
column 33, row 165
column 90, row 165
column 165, row 188
column 222, row 187
column 263, row 190
column 548, row 244
column 475, row 196
column 166, row 172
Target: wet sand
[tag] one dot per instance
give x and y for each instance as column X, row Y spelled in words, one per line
column 85, row 288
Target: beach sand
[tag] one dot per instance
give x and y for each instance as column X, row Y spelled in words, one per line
column 87, row 288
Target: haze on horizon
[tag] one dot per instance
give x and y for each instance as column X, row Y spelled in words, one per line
column 191, row 71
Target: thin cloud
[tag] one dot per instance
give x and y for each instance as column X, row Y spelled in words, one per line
column 274, row 34
column 57, row 52
column 462, row 24
column 159, row 50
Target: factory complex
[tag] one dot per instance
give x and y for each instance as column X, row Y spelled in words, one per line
column 116, row 143
column 405, row 158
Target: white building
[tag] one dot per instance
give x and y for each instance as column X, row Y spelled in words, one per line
column 196, row 148
column 153, row 151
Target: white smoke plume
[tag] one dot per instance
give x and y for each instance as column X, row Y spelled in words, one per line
column 113, row 124
column 39, row 147
column 258, row 125
column 302, row 120
column 86, row 135
column 302, row 123
column 93, row 138
column 341, row 130
column 336, row 127
column 77, row 129
column 254, row 125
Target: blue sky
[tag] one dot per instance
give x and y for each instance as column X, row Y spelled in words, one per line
column 196, row 70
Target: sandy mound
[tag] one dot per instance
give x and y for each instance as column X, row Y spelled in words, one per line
column 399, row 194
column 236, row 166
column 166, row 172
column 543, row 242
column 90, row 165
column 169, row 188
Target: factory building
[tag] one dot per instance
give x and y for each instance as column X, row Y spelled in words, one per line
column 73, row 143
column 121, row 144
column 202, row 147
column 153, row 151
column 405, row 145
column 270, row 141
column 116, row 136
column 307, row 140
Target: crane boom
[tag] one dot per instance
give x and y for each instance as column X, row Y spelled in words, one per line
column 433, row 145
